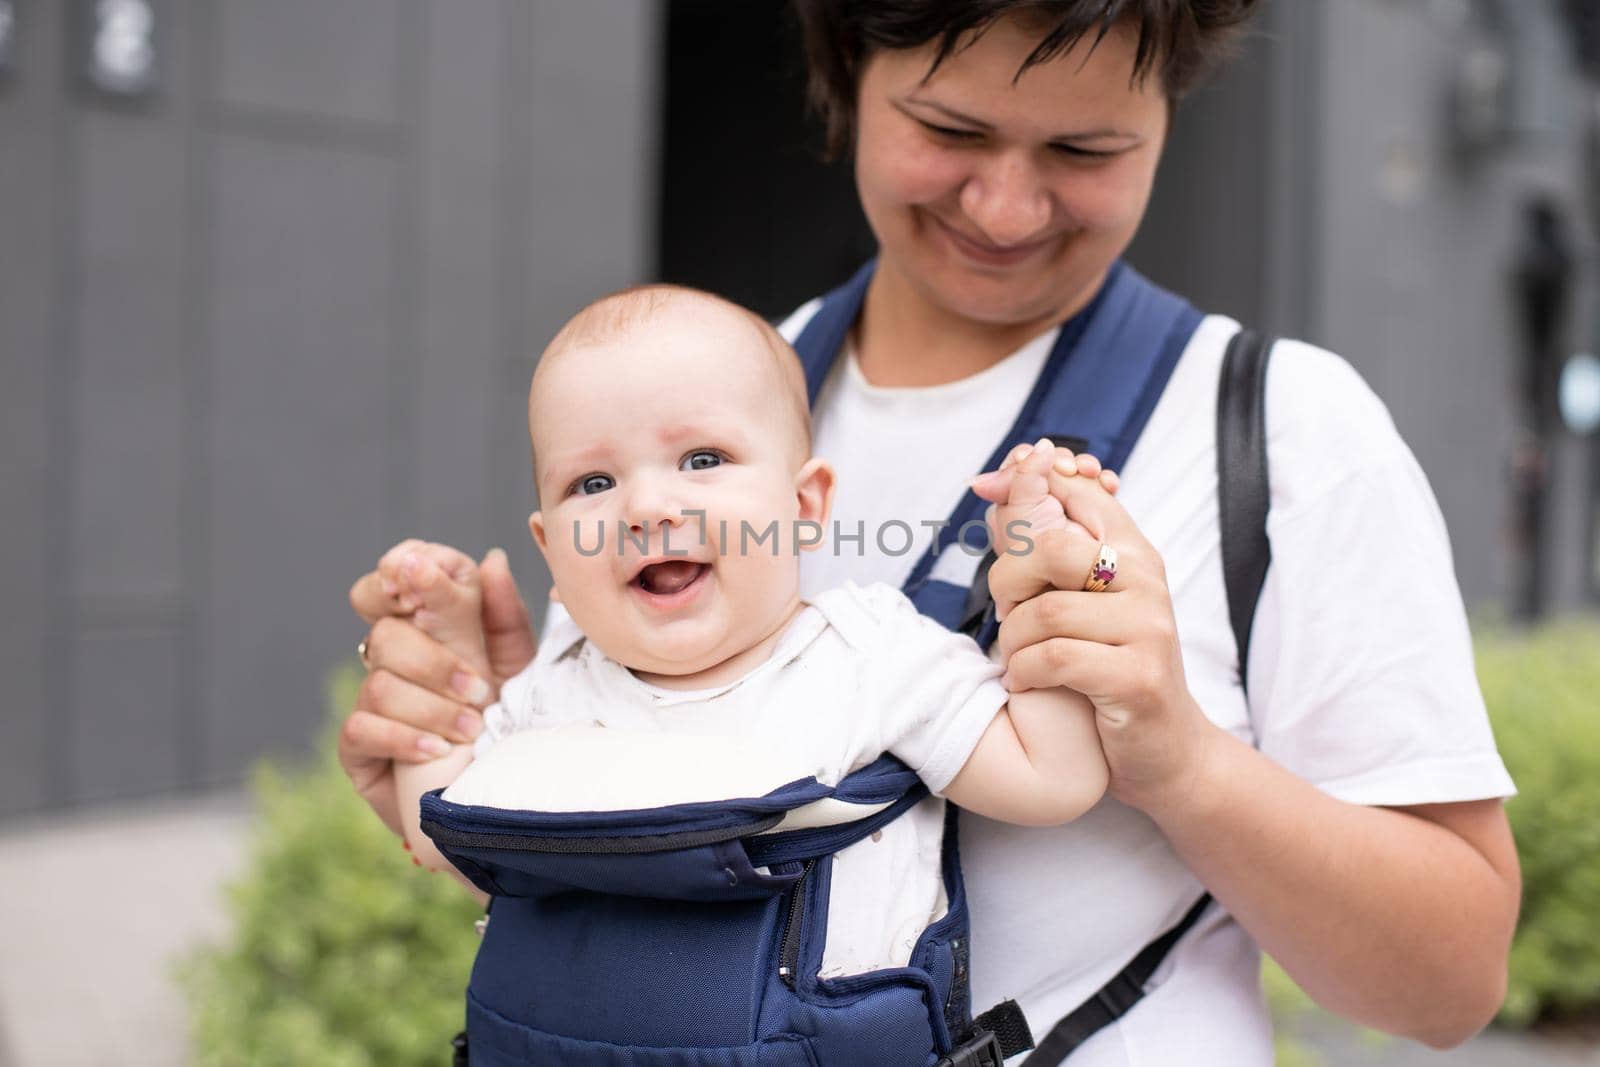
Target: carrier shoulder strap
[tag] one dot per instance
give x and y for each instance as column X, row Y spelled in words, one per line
column 1243, row 496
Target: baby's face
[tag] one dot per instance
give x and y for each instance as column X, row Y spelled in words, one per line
column 636, row 435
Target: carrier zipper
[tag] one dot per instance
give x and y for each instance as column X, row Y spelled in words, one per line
column 789, row 949
column 594, row 846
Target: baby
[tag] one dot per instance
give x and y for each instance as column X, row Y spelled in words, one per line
column 671, row 447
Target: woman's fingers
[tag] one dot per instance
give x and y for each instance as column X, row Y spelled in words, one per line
column 428, row 717
column 397, row 647
column 1036, row 562
column 368, row 745
column 369, row 739
column 1087, row 667
column 1059, row 612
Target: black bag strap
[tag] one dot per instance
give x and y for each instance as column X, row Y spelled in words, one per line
column 1243, row 496
column 1243, row 489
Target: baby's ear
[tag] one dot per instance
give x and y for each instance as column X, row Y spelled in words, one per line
column 813, row 487
column 536, row 527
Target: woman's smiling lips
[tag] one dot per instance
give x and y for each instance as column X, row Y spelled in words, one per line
column 987, row 254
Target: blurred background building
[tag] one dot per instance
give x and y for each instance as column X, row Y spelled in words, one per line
column 273, row 274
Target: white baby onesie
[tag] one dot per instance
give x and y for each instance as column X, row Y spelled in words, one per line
column 857, row 673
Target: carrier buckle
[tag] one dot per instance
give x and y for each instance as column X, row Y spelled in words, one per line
column 459, row 1044
column 980, row 1050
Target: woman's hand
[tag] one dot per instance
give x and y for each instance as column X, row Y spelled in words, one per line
column 1119, row 647
column 419, row 695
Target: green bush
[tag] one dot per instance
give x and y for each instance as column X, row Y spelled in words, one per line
column 1291, row 1009
column 1543, row 691
column 342, row 953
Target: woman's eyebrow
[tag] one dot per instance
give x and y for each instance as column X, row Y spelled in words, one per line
column 1080, row 135
column 948, row 112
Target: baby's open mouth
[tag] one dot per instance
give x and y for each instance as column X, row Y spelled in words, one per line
column 664, row 579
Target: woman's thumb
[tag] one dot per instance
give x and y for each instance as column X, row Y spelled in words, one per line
column 507, row 634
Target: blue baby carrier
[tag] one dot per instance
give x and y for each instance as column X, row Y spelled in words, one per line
column 692, row 935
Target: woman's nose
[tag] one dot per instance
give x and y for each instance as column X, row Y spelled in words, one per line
column 1007, row 199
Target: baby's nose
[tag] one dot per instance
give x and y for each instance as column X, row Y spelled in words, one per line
column 652, row 509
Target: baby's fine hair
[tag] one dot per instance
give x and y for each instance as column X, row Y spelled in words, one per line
column 619, row 314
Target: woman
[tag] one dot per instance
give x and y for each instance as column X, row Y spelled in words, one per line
column 1348, row 818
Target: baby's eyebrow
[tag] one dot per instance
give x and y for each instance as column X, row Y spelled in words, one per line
column 561, row 468
column 702, row 433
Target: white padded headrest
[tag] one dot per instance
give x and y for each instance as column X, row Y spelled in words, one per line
column 592, row 768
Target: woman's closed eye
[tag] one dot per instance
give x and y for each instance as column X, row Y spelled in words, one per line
column 950, row 133
column 972, row 137
column 1072, row 151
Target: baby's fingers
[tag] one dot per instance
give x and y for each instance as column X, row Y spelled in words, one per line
column 392, row 578
column 1028, row 506
column 1086, row 466
column 450, row 610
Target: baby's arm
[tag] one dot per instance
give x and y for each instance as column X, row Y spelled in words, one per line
column 1039, row 763
column 418, row 572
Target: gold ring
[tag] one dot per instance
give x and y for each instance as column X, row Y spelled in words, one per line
column 1104, row 571
column 361, row 653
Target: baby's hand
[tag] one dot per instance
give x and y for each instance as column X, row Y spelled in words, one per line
column 1028, row 508
column 995, row 485
column 442, row 590
column 1020, row 490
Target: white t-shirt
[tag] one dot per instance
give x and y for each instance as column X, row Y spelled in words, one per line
column 1361, row 667
column 857, row 673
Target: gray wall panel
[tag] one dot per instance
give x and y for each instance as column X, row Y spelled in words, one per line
column 301, row 271
column 462, row 326
column 330, row 58
column 1377, row 239
column 593, row 78
column 1203, row 234
column 32, row 406
column 263, row 322
column 1418, row 249
column 130, row 308
column 127, row 694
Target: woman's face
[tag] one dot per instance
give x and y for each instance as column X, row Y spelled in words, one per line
column 1004, row 200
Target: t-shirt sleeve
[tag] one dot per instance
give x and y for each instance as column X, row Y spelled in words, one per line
column 1361, row 668
column 935, row 691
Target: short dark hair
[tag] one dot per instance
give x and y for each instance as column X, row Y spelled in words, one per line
column 1180, row 40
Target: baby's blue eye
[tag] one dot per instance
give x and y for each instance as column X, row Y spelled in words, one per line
column 594, row 483
column 692, row 460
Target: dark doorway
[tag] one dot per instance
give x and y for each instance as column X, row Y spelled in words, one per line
column 748, row 209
